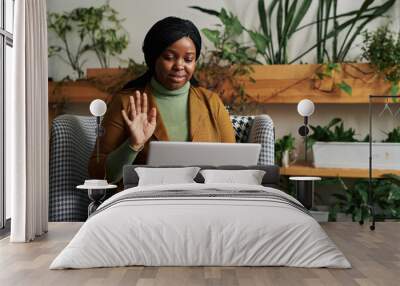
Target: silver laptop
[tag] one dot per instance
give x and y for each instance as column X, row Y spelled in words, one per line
column 164, row 153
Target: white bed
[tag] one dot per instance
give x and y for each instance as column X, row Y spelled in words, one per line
column 245, row 225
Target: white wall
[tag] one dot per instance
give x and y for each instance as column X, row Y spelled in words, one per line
column 140, row 15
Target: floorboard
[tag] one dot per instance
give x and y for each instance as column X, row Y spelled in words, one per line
column 374, row 255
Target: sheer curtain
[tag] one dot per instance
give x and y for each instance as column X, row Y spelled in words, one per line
column 27, row 124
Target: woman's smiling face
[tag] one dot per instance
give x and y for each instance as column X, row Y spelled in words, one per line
column 176, row 64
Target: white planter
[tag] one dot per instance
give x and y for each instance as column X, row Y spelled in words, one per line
column 356, row 155
column 285, row 159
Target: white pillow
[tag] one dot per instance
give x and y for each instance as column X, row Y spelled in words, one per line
column 163, row 176
column 249, row 177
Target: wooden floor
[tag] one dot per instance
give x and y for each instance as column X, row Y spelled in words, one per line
column 375, row 257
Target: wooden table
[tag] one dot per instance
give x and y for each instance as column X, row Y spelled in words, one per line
column 302, row 169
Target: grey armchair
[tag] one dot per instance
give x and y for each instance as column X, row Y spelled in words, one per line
column 72, row 140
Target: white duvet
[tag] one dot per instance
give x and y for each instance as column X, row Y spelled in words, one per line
column 191, row 231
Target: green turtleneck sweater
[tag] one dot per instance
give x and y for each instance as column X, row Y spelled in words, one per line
column 173, row 108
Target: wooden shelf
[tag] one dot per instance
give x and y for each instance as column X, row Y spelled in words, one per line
column 75, row 92
column 288, row 84
column 302, row 169
column 277, row 84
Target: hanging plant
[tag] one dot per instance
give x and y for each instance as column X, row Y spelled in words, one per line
column 326, row 80
column 381, row 49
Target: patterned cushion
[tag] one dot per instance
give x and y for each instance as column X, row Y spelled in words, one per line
column 72, row 141
column 242, row 126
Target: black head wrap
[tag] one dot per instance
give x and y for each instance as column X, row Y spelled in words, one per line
column 160, row 36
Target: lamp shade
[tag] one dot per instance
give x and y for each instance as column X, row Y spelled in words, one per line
column 305, row 107
column 98, row 107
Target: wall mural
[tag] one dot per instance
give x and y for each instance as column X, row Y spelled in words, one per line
column 250, row 74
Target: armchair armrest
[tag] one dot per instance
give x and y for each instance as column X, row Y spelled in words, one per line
column 262, row 132
column 72, row 141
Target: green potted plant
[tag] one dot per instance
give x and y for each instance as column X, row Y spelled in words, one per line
column 393, row 198
column 393, row 136
column 353, row 200
column 382, row 49
column 334, row 146
column 283, row 147
column 98, row 30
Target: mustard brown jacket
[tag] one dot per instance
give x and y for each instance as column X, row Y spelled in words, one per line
column 208, row 122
